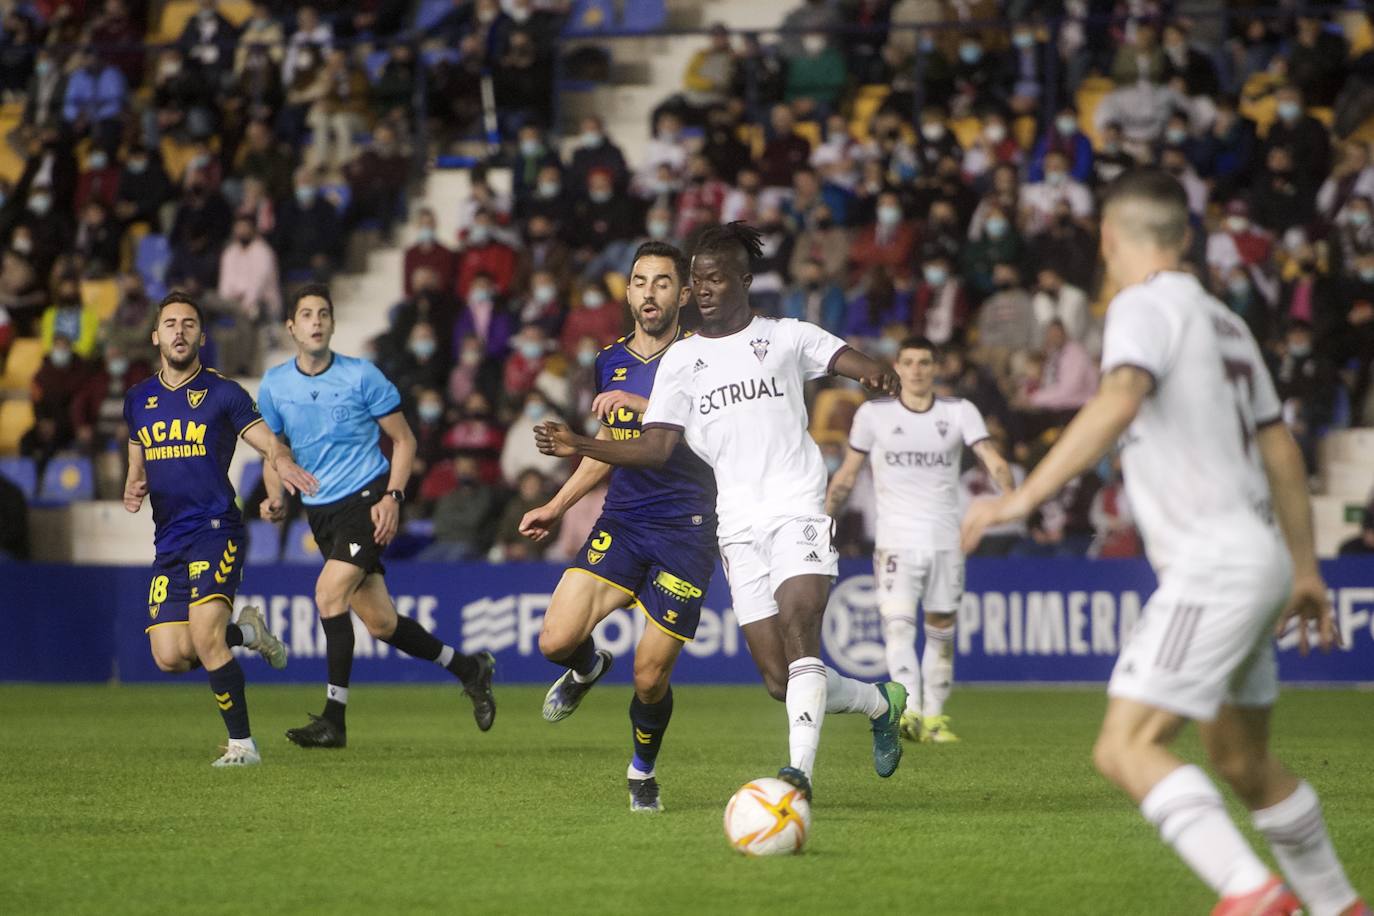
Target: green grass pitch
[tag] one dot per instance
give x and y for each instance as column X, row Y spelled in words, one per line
column 108, row 805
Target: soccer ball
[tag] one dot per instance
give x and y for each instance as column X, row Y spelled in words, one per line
column 767, row 817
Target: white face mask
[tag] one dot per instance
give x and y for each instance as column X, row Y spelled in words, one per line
column 995, row 133
column 593, row 299
column 813, row 44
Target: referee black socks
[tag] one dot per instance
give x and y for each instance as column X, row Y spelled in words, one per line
column 415, row 640
column 338, row 640
column 227, row 684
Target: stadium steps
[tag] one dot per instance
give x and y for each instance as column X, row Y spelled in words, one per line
column 1347, row 477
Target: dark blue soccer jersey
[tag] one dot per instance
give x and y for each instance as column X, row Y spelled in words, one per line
column 684, row 487
column 189, row 434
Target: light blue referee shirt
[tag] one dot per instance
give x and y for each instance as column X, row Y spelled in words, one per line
column 330, row 420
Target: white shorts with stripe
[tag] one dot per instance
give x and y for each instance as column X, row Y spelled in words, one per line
column 1206, row 638
column 904, row 578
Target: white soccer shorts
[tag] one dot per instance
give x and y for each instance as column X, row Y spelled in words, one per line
column 903, row 578
column 1207, row 638
column 774, row 552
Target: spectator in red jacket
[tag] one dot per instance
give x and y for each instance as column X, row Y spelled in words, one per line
column 531, row 351
column 483, row 253
column 429, row 252
column 593, row 315
column 97, row 413
column 785, row 151
column 890, row 242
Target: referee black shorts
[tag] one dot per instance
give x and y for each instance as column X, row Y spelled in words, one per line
column 344, row 530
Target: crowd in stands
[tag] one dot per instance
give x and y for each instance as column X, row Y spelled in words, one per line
column 907, row 178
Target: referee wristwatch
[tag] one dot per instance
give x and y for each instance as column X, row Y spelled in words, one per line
column 398, row 495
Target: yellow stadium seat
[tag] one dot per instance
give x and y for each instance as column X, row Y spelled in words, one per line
column 128, row 246
column 26, row 355
column 1090, row 94
column 101, row 295
column 810, row 131
column 175, row 157
column 11, row 163
column 866, row 104
column 16, row 418
column 1364, row 133
column 615, row 285
column 966, row 130
column 177, row 13
column 1023, row 131
column 1325, row 115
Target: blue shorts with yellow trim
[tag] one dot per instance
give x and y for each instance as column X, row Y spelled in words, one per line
column 666, row 568
column 211, row 567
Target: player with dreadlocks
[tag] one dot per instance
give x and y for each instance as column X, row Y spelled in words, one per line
column 734, row 393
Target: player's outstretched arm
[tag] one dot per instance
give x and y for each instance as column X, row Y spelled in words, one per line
column 867, row 371
column 995, row 465
column 650, row 449
column 279, row 458
column 136, row 483
column 537, row 524
column 1288, row 488
column 842, row 484
column 1098, row 424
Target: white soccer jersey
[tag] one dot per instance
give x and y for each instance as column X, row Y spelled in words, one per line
column 739, row 401
column 1193, row 472
column 915, row 458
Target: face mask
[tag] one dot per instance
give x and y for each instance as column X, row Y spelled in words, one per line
column 137, row 166
column 886, row 347
column 40, row 204
column 658, row 228
column 97, row 160
column 244, row 240
column 531, row 349
column 423, row 348
column 1367, row 274
column 1239, row 286
column 1237, row 224
column 933, row 131
column 22, row 244
column 1066, row 126
column 60, row 358
column 1359, row 217
column 480, row 296
column 926, row 44
column 549, row 189
column 544, row 293
column 117, row 366
column 430, row 412
column 534, row 411
column 425, row 236
column 996, row 227
column 813, row 44
column 485, row 16
column 970, row 54
column 935, row 276
column 1054, row 179
column 889, row 215
column 593, row 299
column 599, row 196
column 995, row 133
column 478, row 235
column 1289, row 111
column 470, row 357
column 531, row 148
column 1299, row 350
column 43, row 67
column 589, row 139
column 520, row 15
column 1175, row 136
column 305, row 196
column 586, row 357
column 200, row 161
column 1021, row 40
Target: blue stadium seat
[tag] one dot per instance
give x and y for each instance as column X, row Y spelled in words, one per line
column 67, row 480
column 430, row 12
column 300, row 544
column 264, row 542
column 588, row 17
column 644, row 15
column 374, row 65
column 152, row 259
column 23, row 473
column 248, row 480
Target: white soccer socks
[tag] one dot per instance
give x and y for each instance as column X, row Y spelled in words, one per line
column 899, row 643
column 1297, row 834
column 1191, row 817
column 844, row 694
column 938, row 662
column 806, row 705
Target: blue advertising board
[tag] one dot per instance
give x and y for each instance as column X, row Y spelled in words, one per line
column 1021, row 621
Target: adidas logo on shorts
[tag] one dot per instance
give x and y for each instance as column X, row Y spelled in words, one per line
column 812, row 557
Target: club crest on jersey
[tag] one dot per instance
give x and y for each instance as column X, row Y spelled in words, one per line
column 760, row 346
column 941, row 427
column 195, row 397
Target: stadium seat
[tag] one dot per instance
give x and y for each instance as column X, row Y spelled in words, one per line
column 16, row 418
column 248, row 479
column 176, row 157
column 11, row 163
column 644, row 16
column 374, row 65
column 176, row 13
column 966, row 130
column 153, row 257
column 23, row 473
column 300, row 544
column 26, row 355
column 587, row 17
column 101, row 295
column 429, row 14
column 67, row 479
column 264, row 542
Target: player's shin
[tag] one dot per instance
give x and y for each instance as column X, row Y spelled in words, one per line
column 1297, row 835
column 649, row 723
column 937, row 663
column 806, row 704
column 227, row 683
column 1191, row 817
column 899, row 644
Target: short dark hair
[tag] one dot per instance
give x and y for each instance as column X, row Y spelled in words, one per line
column 657, row 249
column 1167, row 224
column 917, row 342
column 178, row 297
column 305, row 292
column 737, row 238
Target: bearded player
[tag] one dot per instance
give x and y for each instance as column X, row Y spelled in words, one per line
column 1209, row 465
column 734, row 393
